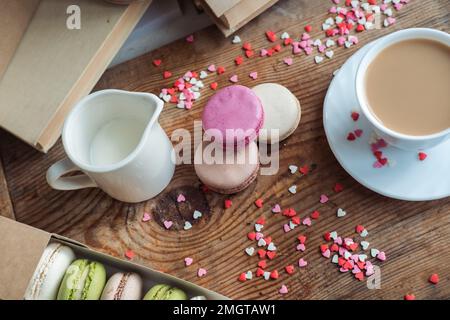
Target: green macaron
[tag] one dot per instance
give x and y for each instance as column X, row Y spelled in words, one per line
column 83, row 280
column 165, row 292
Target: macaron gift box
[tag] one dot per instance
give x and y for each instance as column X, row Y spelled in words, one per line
column 22, row 247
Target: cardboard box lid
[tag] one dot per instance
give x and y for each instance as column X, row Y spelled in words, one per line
column 17, row 265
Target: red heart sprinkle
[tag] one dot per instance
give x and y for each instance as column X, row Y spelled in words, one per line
column 359, row 228
column 213, row 85
column 347, row 265
column 259, row 203
column 361, row 265
column 174, row 99
column 242, row 277
column 353, row 246
column 167, row 74
column 351, row 136
column 262, row 264
column 228, row 203
column 327, row 237
column 238, row 60
column 251, row 236
column 341, row 261
column 302, row 239
column 259, row 272
column 287, row 41
column 355, row 116
column 360, row 28
column 247, row 46
column 358, row 133
column 359, row 276
column 289, row 212
column 271, row 36
column 276, row 48
column 296, row 220
column 271, row 254
column 274, row 274
column 249, row 53
column 434, row 278
column 220, row 70
column 422, row 156
column 323, row 247
column 308, row 28
column 409, row 297
column 157, row 62
column 289, row 269
column 372, row 2
column 261, row 220
column 334, row 247
column 378, row 154
column 383, row 161
column 268, row 240
column 315, row 215
column 338, row 187
column 129, row 254
column 262, row 253
column 269, row 52
column 304, row 169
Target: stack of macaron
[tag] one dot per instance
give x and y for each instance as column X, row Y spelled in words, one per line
column 233, row 119
column 60, row 275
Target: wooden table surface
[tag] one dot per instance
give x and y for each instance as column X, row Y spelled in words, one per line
column 415, row 235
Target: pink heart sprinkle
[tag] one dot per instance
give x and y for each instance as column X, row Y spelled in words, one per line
column 286, row 228
column 323, row 199
column 146, row 217
column 276, row 208
column 190, row 38
column 181, row 198
column 322, row 48
column 212, row 68
column 288, row 61
column 188, row 105
column 259, row 235
column 306, row 36
column 338, row 240
column 326, row 253
column 303, row 44
column 188, row 261
column 302, row 263
column 333, row 10
column 381, row 256
column 168, row 224
column 391, row 20
column 263, row 53
column 234, row 78
column 301, row 247
column 201, row 272
column 295, row 48
column 369, row 271
column 356, row 269
column 253, row 75
column 283, row 289
column 308, row 50
column 307, row 221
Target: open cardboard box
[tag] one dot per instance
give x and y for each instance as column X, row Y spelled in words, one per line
column 21, row 247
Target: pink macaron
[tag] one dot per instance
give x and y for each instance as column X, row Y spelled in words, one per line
column 236, row 114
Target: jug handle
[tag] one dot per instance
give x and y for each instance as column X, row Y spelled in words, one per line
column 62, row 167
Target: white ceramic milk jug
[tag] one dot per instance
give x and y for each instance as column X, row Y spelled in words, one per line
column 113, row 137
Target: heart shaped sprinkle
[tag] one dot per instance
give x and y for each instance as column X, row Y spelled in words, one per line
column 285, row 35
column 234, row 78
column 203, row 74
column 301, row 247
column 315, row 215
column 167, row 74
column 302, row 263
column 236, row 39
column 262, row 253
column 271, row 247
column 381, row 256
column 201, row 272
column 263, row 52
column 146, row 217
column 250, row 251
column 259, row 203
column 242, row 277
column 187, row 225
column 338, row 187
column 253, row 75
column 434, row 278
column 364, row 245
column 129, row 254
column 323, row 199
column 190, row 38
column 181, row 198
column 289, row 269
column 213, row 85
column 168, row 224
column 293, row 189
column 261, row 243
column 293, row 168
column 358, row 133
column 251, row 236
column 188, row 261
column 307, row 221
column 409, row 297
column 333, row 235
column 238, row 60
column 374, row 252
column 274, row 274
column 327, row 253
column 259, row 235
column 288, row 61
column 422, row 156
column 276, row 208
column 220, row 70
column 197, row 214
column 212, row 68
column 249, row 275
column 262, row 264
column 329, row 54
column 249, row 53
column 271, row 254
column 364, row 233
column 258, row 227
column 228, row 203
column 296, row 220
column 157, row 62
column 301, row 238
column 341, row 213
column 286, row 228
column 318, row 59
column 283, row 289
column 355, row 116
column 266, row 275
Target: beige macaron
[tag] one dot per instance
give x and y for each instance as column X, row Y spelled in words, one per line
column 282, row 111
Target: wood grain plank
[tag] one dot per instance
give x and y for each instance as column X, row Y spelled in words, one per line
column 415, row 235
column 6, row 208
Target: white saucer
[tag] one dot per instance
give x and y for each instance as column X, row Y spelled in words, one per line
column 409, row 179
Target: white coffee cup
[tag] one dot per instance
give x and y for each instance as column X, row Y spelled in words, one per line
column 400, row 140
column 113, row 137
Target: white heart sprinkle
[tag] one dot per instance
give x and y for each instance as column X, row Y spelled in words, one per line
column 197, row 214
column 365, row 245
column 292, row 225
column 330, row 43
column 325, row 26
column 317, row 42
column 250, row 251
column 341, row 213
column 180, row 105
column 203, row 74
column 374, row 252
column 335, row 259
column 330, row 21
column 362, row 257
column 318, row 59
column 166, row 97
column 266, row 275
column 236, row 39
column 333, row 235
column 293, row 168
column 258, row 227
column 261, row 242
column 364, row 233
column 249, row 275
column 329, row 54
column 187, row 225
column 347, row 255
column 285, row 35
column 293, row 189
column 271, row 247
